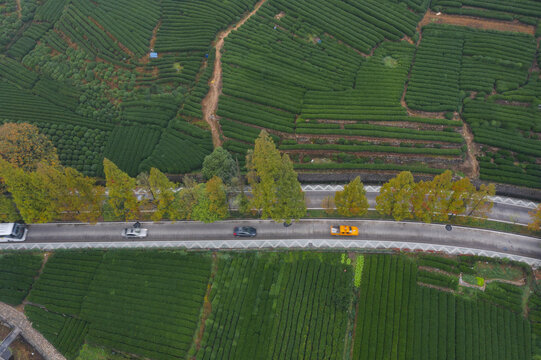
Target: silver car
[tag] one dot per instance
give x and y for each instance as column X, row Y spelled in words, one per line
column 136, row 233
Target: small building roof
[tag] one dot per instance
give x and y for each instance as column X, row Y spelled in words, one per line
column 153, row 55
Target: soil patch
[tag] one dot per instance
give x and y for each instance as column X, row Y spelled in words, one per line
column 471, row 164
column 280, row 15
column 210, row 102
column 475, row 22
column 19, row 9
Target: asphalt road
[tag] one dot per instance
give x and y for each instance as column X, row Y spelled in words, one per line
column 374, row 230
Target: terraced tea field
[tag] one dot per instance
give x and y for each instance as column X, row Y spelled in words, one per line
column 344, row 85
column 282, row 305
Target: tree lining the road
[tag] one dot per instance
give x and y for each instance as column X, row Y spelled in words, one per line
column 47, row 191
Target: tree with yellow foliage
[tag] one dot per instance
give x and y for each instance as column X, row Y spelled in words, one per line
column 394, row 198
column 120, row 187
column 352, row 200
column 23, row 146
column 535, row 225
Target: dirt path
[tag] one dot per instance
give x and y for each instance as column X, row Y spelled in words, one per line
column 145, row 59
column 475, row 22
column 19, row 9
column 210, row 102
column 471, row 163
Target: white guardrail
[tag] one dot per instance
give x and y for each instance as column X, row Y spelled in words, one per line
column 375, row 189
column 274, row 244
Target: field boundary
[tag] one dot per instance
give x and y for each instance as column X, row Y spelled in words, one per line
column 311, row 244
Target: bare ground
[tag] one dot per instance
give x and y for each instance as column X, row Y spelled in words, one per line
column 471, row 164
column 210, row 102
column 475, row 22
column 19, row 9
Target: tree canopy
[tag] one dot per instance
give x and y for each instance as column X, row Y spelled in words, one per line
column 276, row 192
column 23, row 146
column 536, row 219
column 352, row 200
column 120, row 188
column 219, row 163
column 394, row 198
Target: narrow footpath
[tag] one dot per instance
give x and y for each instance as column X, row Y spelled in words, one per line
column 210, row 102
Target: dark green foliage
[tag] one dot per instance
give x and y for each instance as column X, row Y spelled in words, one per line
column 78, row 146
column 178, row 152
column 372, row 148
column 277, row 306
column 434, row 82
column 66, row 333
column 146, row 302
column 439, row 262
column 387, row 296
column 17, row 272
column 128, row 146
column 369, row 166
column 132, row 28
column 65, row 280
column 507, row 295
column 438, row 279
column 199, row 21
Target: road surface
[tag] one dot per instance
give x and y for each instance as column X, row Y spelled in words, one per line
column 303, row 234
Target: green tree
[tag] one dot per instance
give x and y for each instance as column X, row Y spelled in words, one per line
column 23, row 146
column 352, row 200
column 263, row 165
column 290, row 204
column 81, row 196
column 394, row 198
column 8, row 209
column 121, row 188
column 164, row 197
column 36, row 193
column 219, row 163
column 276, row 192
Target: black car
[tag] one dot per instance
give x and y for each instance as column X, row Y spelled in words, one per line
column 244, row 231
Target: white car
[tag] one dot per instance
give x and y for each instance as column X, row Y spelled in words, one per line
column 137, row 233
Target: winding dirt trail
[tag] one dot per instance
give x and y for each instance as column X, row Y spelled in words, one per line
column 210, row 102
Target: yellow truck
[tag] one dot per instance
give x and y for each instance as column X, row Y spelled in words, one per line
column 344, row 230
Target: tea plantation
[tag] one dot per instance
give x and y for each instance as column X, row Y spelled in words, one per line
column 342, row 85
column 280, row 305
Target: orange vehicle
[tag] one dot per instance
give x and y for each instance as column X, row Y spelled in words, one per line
column 344, row 230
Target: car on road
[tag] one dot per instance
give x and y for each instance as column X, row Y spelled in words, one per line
column 344, row 230
column 13, row 232
column 244, row 231
column 134, row 233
